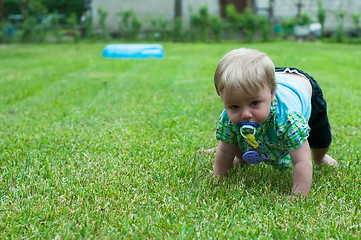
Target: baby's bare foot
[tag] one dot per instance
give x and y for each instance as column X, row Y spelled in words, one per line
column 328, row 161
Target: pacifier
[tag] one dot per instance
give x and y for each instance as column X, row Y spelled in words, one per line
column 254, row 157
column 248, row 131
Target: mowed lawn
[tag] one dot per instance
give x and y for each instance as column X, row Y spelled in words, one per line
column 104, row 148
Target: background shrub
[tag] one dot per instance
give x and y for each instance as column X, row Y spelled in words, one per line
column 103, row 14
column 129, row 24
column 249, row 23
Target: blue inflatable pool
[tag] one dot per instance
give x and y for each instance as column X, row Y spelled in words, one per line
column 133, row 50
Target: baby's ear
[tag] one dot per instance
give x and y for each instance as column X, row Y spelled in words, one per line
column 273, row 96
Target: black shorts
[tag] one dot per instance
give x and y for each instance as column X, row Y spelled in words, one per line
column 320, row 134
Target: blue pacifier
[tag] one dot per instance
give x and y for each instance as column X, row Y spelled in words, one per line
column 254, row 157
column 248, row 131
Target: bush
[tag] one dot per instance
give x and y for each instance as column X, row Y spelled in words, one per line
column 204, row 27
column 88, row 27
column 55, row 27
column 32, row 31
column 199, row 24
column 304, row 19
column 287, row 27
column 356, row 21
column 232, row 20
column 73, row 23
column 249, row 24
column 178, row 34
column 217, row 27
column 321, row 16
column 265, row 27
column 103, row 14
column 254, row 26
column 129, row 24
column 340, row 33
column 8, row 33
column 158, row 29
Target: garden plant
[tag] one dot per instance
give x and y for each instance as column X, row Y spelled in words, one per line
column 201, row 25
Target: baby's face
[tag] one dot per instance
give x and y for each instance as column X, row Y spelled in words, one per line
column 245, row 107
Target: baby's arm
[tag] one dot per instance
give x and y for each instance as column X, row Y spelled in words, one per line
column 302, row 169
column 224, row 158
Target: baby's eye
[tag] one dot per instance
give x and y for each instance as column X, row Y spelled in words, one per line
column 233, row 107
column 254, row 103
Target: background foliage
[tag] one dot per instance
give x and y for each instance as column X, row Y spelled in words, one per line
column 43, row 6
column 51, row 20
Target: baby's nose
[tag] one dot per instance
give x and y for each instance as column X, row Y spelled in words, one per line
column 246, row 115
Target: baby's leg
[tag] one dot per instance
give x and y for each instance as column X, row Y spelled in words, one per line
column 320, row 157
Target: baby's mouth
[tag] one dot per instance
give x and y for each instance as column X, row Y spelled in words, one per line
column 251, row 124
column 247, row 128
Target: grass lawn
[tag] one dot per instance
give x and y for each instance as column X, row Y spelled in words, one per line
column 104, row 148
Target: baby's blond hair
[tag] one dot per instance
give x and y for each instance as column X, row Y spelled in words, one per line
column 248, row 69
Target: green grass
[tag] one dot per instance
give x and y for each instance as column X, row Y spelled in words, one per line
column 104, row 148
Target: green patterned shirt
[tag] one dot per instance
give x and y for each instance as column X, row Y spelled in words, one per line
column 275, row 137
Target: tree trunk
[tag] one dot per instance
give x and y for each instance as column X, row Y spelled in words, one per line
column 299, row 5
column 1, row 11
column 177, row 9
column 271, row 11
